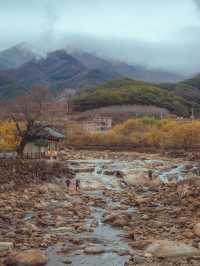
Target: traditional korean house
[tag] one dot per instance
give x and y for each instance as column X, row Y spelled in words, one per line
column 98, row 124
column 43, row 142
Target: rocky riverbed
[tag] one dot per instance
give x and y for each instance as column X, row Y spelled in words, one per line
column 119, row 217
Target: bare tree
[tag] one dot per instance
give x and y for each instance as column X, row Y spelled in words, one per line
column 4, row 107
column 28, row 112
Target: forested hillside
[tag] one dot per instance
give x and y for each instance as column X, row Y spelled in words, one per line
column 128, row 91
column 188, row 89
column 9, row 88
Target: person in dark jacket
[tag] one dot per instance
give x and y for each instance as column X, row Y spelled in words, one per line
column 150, row 174
column 77, row 183
column 68, row 183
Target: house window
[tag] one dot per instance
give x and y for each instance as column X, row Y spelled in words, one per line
column 49, row 146
column 52, row 146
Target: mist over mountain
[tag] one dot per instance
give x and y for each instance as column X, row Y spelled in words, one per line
column 74, row 45
column 22, row 53
column 160, row 35
column 63, row 70
column 15, row 56
column 138, row 72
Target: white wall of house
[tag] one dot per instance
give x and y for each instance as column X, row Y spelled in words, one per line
column 34, row 150
column 31, row 148
column 98, row 124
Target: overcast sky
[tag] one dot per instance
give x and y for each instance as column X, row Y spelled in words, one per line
column 158, row 33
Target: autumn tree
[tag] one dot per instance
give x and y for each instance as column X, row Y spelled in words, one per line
column 28, row 112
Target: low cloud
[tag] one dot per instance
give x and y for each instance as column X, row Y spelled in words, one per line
column 154, row 33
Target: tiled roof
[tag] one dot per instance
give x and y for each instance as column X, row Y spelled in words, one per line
column 53, row 133
column 45, row 132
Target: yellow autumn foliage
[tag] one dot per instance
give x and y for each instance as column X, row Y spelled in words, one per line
column 8, row 139
column 144, row 132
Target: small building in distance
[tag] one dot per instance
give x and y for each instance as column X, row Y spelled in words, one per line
column 97, row 124
column 111, row 115
column 43, row 143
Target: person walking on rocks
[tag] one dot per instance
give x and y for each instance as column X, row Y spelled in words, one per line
column 150, row 174
column 77, row 183
column 68, row 183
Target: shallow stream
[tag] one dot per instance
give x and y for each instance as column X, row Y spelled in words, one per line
column 95, row 176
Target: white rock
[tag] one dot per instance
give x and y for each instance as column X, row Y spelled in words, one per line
column 94, row 250
column 196, row 229
column 6, row 246
column 165, row 248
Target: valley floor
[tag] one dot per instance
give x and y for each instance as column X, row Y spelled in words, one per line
column 119, row 217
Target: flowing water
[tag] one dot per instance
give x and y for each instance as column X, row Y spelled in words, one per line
column 102, row 173
column 96, row 175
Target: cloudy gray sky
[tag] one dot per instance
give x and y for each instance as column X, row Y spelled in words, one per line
column 158, row 33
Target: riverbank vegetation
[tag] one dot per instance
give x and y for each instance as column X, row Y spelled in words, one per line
column 8, row 138
column 144, row 133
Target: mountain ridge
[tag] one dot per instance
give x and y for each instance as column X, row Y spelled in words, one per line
column 15, row 56
column 123, row 69
column 61, row 71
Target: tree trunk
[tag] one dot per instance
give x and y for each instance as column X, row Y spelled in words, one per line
column 20, row 150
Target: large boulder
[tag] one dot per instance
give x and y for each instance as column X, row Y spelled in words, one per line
column 27, row 258
column 121, row 221
column 5, row 246
column 141, row 178
column 53, row 188
column 30, row 227
column 117, row 219
column 196, row 229
column 94, row 250
column 166, row 248
column 110, row 218
column 136, row 178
